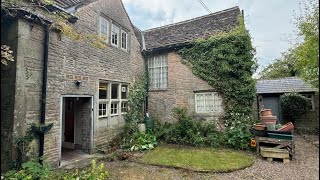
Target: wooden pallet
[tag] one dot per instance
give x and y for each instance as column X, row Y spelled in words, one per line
column 284, row 160
column 272, row 153
column 276, row 143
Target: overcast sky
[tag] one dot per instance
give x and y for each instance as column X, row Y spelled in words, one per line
column 269, row 21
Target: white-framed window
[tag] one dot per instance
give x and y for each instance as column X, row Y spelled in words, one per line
column 113, row 98
column 124, row 98
column 158, row 72
column 103, row 111
column 124, row 40
column 104, row 28
column 115, row 35
column 103, row 91
column 311, row 99
column 114, row 108
column 208, row 102
column 124, row 106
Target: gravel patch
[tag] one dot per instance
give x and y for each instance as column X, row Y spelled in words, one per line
column 304, row 167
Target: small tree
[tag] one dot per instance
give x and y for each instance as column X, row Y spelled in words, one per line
column 293, row 106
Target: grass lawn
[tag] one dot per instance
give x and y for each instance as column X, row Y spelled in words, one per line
column 198, row 159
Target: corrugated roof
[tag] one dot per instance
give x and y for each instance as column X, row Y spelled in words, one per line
column 283, row 85
column 189, row 30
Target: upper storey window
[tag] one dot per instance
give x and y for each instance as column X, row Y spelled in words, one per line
column 104, row 28
column 158, row 72
column 124, row 40
column 114, row 35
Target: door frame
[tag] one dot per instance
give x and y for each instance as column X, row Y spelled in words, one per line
column 61, row 120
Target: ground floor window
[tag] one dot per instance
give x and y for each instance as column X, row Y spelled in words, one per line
column 124, row 107
column 112, row 98
column 103, row 110
column 208, row 102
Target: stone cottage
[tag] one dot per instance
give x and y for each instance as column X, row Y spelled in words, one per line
column 83, row 90
column 173, row 83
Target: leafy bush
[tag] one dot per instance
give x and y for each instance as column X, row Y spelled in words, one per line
column 94, row 172
column 238, row 137
column 293, row 106
column 30, row 170
column 141, row 141
column 35, row 170
column 189, row 132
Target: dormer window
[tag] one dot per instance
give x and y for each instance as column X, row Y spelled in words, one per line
column 114, row 35
column 124, row 40
column 104, row 28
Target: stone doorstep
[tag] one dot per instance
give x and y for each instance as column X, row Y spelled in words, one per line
column 80, row 162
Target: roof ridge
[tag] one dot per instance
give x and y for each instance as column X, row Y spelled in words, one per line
column 193, row 19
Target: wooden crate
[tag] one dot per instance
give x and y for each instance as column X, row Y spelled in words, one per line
column 271, row 153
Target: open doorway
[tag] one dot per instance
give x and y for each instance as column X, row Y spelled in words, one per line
column 76, row 129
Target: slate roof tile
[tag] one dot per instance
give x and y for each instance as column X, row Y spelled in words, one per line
column 283, row 85
column 190, row 30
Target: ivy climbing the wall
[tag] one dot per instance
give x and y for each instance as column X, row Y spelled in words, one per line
column 22, row 144
column 226, row 62
column 135, row 114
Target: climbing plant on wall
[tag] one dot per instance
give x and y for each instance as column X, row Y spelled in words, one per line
column 226, row 62
column 136, row 98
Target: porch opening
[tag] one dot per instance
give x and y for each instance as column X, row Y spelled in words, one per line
column 76, row 128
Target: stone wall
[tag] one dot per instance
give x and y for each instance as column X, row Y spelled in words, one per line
column 182, row 84
column 69, row 61
column 309, row 123
column 9, row 32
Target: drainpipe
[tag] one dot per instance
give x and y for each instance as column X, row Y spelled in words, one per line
column 146, row 70
column 147, row 85
column 44, row 89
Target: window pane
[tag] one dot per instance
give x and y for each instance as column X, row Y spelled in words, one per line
column 208, row 102
column 103, row 27
column 114, row 108
column 124, row 91
column 103, row 89
column 158, row 71
column 114, row 33
column 124, row 107
column 124, row 40
column 103, row 109
column 114, row 91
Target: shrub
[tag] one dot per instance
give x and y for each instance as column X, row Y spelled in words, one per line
column 93, row 172
column 190, row 132
column 34, row 170
column 187, row 131
column 293, row 106
column 238, row 137
column 140, row 141
column 30, row 170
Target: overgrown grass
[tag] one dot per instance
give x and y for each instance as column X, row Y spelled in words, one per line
column 198, row 159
